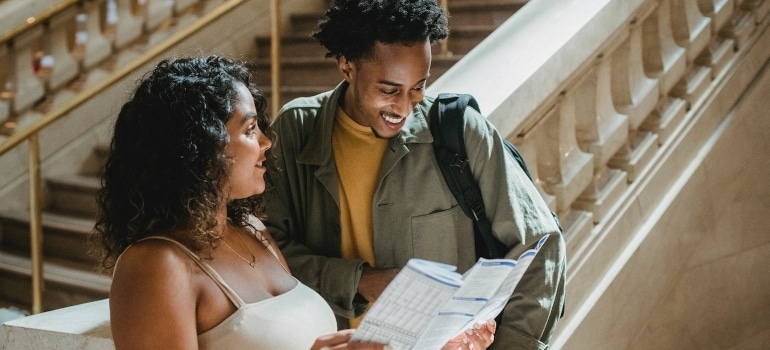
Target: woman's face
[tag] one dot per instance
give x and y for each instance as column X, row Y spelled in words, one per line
column 246, row 149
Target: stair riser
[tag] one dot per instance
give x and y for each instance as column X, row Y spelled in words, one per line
column 460, row 41
column 287, row 96
column 480, row 15
column 321, row 73
column 57, row 243
column 18, row 289
column 458, row 16
column 305, row 23
column 73, row 200
column 292, row 48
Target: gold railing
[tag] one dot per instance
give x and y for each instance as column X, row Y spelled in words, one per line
column 32, row 21
column 31, row 132
column 275, row 55
column 445, row 43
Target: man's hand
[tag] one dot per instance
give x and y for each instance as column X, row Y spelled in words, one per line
column 374, row 280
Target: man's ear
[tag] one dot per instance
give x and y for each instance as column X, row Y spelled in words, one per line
column 346, row 68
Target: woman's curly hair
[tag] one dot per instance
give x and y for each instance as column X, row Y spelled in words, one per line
column 166, row 168
column 351, row 27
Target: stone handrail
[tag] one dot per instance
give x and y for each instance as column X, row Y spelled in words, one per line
column 598, row 97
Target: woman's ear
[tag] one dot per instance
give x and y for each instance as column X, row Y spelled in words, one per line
column 346, row 68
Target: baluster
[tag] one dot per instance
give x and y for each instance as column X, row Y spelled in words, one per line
column 65, row 66
column 159, row 20
column 691, row 29
column 721, row 49
column 742, row 24
column 762, row 10
column 111, row 19
column 186, row 12
column 665, row 61
column 208, row 5
column 27, row 87
column 5, row 95
column 720, row 12
column 158, row 13
column 565, row 170
column 130, row 23
column 96, row 46
column 542, row 157
column 601, row 131
column 635, row 95
column 528, row 149
column 182, row 6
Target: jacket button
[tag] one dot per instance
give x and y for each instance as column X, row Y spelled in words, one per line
column 336, row 228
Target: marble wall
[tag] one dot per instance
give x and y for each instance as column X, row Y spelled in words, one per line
column 700, row 279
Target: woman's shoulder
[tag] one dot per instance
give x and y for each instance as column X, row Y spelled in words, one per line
column 155, row 259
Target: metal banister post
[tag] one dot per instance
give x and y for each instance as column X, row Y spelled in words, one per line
column 275, row 56
column 35, row 224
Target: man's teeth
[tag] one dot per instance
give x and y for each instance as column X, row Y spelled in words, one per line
column 393, row 120
column 259, row 163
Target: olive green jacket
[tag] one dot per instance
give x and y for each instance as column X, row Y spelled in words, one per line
column 414, row 214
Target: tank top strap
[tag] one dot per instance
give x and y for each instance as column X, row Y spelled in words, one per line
column 207, row 269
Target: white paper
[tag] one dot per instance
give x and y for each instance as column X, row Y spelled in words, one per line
column 428, row 303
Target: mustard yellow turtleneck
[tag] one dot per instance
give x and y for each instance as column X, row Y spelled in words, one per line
column 357, row 154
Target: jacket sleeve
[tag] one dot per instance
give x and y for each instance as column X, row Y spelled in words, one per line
column 519, row 219
column 293, row 204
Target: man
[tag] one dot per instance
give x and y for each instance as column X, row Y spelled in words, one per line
column 359, row 192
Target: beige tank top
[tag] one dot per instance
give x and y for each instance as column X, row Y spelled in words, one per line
column 292, row 320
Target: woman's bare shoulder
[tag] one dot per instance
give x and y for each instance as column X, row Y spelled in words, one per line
column 153, row 260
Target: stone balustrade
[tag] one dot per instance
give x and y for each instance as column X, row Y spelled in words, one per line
column 598, row 98
column 591, row 105
column 77, row 47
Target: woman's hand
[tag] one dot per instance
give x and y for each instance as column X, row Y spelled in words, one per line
column 340, row 340
column 479, row 337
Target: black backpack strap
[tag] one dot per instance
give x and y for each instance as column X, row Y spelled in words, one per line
column 446, row 125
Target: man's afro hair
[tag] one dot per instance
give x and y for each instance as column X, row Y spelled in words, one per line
column 351, row 27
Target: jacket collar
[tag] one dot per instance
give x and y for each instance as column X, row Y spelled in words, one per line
column 318, row 150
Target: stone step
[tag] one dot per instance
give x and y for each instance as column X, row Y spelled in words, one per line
column 323, row 71
column 461, row 40
column 65, row 283
column 461, row 12
column 289, row 93
column 64, row 237
column 482, row 12
column 73, row 195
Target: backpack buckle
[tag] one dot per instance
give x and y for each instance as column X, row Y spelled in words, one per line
column 477, row 208
column 459, row 163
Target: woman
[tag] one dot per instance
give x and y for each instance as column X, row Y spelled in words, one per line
column 193, row 267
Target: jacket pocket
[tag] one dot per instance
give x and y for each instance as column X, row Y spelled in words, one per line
column 441, row 236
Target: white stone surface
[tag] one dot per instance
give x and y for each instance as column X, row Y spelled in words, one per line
column 82, row 327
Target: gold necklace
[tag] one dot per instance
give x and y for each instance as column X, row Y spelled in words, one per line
column 253, row 261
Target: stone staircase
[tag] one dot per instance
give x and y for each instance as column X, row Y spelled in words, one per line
column 305, row 71
column 69, row 205
column 70, row 269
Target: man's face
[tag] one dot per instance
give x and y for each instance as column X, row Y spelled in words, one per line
column 385, row 88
